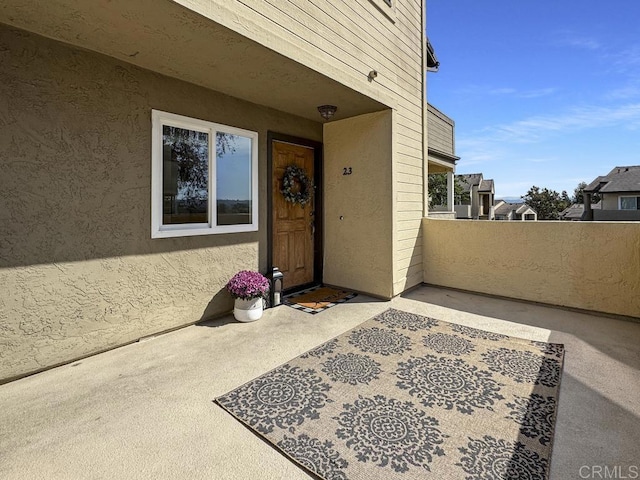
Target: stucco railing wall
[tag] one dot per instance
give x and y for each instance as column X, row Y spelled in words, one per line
column 462, row 211
column 616, row 215
column 588, row 265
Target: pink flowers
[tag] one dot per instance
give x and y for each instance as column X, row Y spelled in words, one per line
column 247, row 285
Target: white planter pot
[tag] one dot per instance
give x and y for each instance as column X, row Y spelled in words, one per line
column 248, row 310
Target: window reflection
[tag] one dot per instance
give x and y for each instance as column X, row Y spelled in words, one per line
column 233, row 179
column 185, row 172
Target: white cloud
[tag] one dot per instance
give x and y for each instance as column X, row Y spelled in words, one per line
column 479, row 90
column 535, row 128
column 587, row 43
column 571, row 39
column 624, row 61
column 543, row 92
column 503, row 150
column 624, row 93
column 501, row 91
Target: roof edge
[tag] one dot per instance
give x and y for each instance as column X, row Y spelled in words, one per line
column 432, row 61
column 443, row 155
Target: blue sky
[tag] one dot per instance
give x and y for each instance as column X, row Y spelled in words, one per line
column 543, row 93
column 233, row 176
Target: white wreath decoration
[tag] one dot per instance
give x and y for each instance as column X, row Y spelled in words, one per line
column 295, row 175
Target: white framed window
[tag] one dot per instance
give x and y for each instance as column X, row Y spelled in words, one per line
column 629, row 203
column 204, row 177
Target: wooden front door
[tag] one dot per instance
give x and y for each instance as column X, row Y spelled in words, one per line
column 293, row 242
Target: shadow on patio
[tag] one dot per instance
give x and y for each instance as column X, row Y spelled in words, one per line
column 145, row 410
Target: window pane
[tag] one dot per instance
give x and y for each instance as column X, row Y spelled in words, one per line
column 233, row 179
column 628, row 203
column 185, row 174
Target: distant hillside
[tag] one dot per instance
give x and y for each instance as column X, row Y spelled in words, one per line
column 510, row 199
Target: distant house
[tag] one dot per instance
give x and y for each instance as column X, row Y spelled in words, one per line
column 514, row 211
column 574, row 212
column 620, row 194
column 477, row 199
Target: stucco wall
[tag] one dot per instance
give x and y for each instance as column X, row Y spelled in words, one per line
column 345, row 41
column 609, row 201
column 78, row 269
column 588, row 265
column 287, row 54
column 358, row 207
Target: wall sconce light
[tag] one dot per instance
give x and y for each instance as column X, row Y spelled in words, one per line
column 372, row 74
column 327, row 111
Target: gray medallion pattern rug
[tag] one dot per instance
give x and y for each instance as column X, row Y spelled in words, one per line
column 404, row 396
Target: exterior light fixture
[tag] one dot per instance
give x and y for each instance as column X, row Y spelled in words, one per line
column 276, row 278
column 327, row 111
column 372, row 75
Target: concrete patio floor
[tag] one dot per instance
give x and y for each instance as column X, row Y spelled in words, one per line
column 145, row 410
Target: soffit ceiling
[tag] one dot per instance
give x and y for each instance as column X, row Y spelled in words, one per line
column 162, row 36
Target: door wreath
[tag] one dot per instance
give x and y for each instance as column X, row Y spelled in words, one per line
column 296, row 186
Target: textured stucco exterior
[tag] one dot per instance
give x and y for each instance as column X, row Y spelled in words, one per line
column 587, row 265
column 78, row 268
column 295, row 55
column 610, row 201
column 358, row 220
column 81, row 271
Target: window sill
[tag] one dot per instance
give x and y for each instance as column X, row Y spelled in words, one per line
column 201, row 230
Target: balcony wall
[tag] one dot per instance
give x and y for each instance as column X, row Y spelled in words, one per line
column 587, row 265
column 463, row 211
column 441, row 131
column 616, row 215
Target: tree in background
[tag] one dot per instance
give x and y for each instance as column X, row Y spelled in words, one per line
column 438, row 189
column 190, row 155
column 578, row 194
column 547, row 203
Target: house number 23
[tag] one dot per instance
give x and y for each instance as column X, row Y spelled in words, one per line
column 347, row 171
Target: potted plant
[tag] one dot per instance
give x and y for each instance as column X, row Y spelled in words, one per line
column 248, row 289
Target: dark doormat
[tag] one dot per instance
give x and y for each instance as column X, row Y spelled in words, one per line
column 318, row 299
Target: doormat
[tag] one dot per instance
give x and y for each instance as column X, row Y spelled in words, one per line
column 404, row 396
column 318, row 299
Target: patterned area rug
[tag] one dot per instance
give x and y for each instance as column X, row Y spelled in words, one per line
column 318, row 299
column 410, row 397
